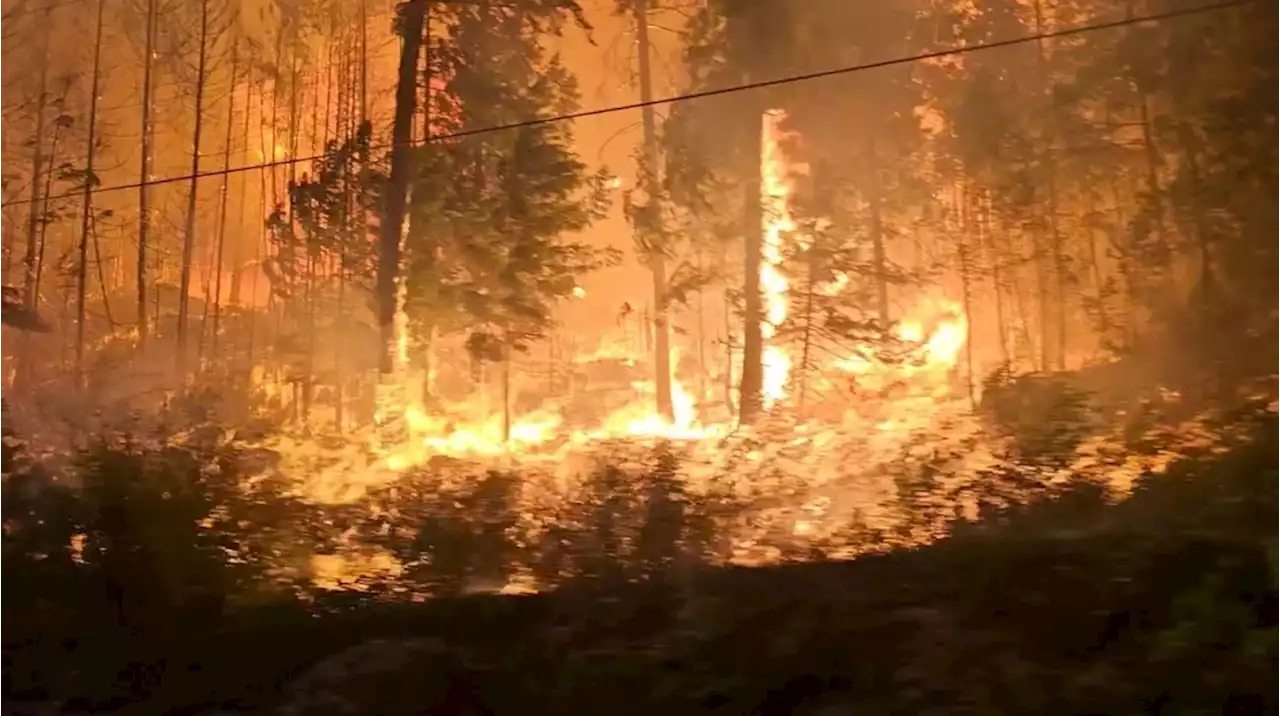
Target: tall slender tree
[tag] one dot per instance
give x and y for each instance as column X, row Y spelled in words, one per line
column 90, row 180
column 205, row 36
column 147, row 132
column 410, row 20
column 650, row 237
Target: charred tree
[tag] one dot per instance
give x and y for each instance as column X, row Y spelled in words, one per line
column 1051, row 249
column 86, row 209
column 651, row 237
column 189, row 234
column 35, row 216
column 965, row 256
column 237, row 252
column 144, row 172
column 751, row 382
column 997, row 274
column 412, row 20
column 879, row 256
column 222, row 208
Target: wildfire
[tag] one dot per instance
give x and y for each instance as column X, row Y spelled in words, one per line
column 775, row 197
column 408, row 433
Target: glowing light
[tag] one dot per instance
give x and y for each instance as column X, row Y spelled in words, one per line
column 775, row 196
column 885, row 402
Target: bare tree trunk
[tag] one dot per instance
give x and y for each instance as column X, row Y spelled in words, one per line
column 189, row 235
column 144, row 174
column 728, row 382
column 35, row 217
column 506, row 396
column 426, row 343
column 364, row 60
column 10, row 239
column 824, row 200
column 751, row 382
column 346, row 123
column 997, row 275
column 37, row 222
column 879, row 257
column 10, row 246
column 966, row 224
column 652, row 235
column 42, row 232
column 806, row 337
column 264, row 205
column 222, row 208
column 237, row 253
column 1151, row 152
column 702, row 331
column 398, row 182
column 86, row 213
column 1055, row 249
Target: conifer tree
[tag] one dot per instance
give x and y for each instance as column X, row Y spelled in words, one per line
column 488, row 253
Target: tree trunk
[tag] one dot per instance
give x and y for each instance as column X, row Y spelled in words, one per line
column 1055, row 249
column 35, row 217
column 997, row 275
column 33, row 258
column 237, row 252
column 86, row 209
column 426, row 341
column 824, row 200
column 189, row 234
column 806, row 336
column 262, row 246
column 42, row 229
column 9, row 235
column 1151, row 152
column 144, row 175
column 655, row 239
column 222, row 210
column 364, row 60
column 702, row 330
column 966, row 224
column 879, row 257
column 728, row 381
column 506, row 396
column 752, row 379
column 398, row 183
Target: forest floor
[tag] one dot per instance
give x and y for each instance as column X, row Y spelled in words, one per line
column 1162, row 603
column 1165, row 602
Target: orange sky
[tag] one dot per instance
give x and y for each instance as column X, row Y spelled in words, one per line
column 611, row 140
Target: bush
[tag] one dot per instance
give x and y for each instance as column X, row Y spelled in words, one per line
column 168, row 580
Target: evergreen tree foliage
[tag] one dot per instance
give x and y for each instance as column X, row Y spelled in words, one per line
column 325, row 219
column 488, row 251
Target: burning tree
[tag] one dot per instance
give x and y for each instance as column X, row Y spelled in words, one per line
column 486, row 257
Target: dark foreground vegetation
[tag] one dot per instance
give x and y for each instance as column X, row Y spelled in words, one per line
column 122, row 597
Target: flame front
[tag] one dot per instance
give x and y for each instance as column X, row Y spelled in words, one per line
column 893, row 400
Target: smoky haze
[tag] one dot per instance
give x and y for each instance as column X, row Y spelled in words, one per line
column 839, row 192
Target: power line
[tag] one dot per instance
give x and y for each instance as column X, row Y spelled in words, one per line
column 763, row 84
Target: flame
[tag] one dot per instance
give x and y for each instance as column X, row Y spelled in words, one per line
column 775, row 197
column 890, row 399
column 881, row 407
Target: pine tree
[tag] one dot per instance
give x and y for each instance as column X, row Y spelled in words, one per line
column 487, row 252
